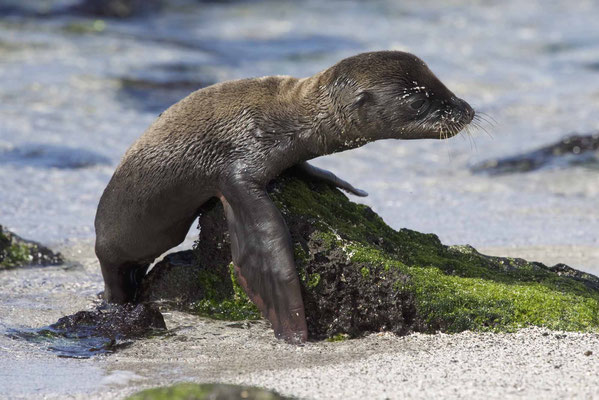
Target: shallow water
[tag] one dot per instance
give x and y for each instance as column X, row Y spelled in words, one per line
column 86, row 96
column 76, row 92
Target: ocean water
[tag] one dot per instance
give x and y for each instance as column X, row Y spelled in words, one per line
column 75, row 92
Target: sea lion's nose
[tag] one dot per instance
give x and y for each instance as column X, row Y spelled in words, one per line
column 466, row 109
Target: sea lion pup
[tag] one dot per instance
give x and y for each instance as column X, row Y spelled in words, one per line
column 230, row 139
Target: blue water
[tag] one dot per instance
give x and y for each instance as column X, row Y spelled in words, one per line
column 71, row 103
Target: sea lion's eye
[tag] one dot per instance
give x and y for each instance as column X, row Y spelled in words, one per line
column 418, row 104
column 362, row 98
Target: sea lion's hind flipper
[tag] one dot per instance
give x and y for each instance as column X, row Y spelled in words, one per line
column 263, row 258
column 327, row 176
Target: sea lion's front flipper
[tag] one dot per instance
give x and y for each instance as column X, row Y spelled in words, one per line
column 263, row 258
column 327, row 176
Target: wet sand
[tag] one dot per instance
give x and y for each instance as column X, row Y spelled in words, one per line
column 530, row 363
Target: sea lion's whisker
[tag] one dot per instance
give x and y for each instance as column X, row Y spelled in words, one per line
column 472, row 140
column 486, row 117
column 481, row 121
column 479, row 126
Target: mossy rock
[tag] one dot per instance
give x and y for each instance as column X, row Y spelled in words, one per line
column 16, row 252
column 359, row 275
column 191, row 391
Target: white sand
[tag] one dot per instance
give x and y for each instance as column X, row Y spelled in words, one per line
column 533, row 363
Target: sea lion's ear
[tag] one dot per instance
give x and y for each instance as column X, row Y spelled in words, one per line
column 362, row 97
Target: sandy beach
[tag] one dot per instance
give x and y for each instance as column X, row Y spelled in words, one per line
column 531, row 363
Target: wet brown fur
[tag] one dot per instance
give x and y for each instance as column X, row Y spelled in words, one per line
column 244, row 133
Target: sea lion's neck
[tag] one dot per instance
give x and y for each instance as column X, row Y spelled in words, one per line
column 325, row 128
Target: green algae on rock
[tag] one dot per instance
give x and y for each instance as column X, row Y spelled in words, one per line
column 16, row 252
column 191, row 391
column 201, row 281
column 359, row 275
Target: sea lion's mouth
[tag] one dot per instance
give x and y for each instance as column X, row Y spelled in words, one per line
column 450, row 118
column 451, row 128
column 441, row 128
column 455, row 120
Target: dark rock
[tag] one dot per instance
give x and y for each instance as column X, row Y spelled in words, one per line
column 594, row 66
column 102, row 330
column 87, row 8
column 52, row 156
column 178, row 279
column 182, row 279
column 113, row 321
column 570, row 151
column 590, row 281
column 358, row 275
column 157, row 86
column 16, row 251
column 116, row 8
column 155, row 95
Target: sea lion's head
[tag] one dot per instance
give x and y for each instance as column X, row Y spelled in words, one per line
column 392, row 94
